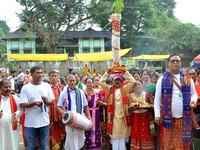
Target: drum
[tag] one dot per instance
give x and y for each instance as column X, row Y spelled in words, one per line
column 76, row 120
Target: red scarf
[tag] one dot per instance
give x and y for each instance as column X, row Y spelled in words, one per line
column 13, row 104
column 53, row 112
column 111, row 108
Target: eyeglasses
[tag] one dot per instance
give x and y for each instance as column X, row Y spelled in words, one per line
column 175, row 61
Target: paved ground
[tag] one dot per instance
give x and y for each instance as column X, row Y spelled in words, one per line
column 20, row 139
column 22, row 144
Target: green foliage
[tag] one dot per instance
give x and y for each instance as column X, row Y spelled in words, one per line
column 118, row 6
column 149, row 27
column 185, row 36
column 4, row 29
column 54, row 16
column 100, row 13
column 8, row 64
column 166, row 6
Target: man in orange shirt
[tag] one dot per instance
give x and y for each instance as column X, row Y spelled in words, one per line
column 57, row 129
column 193, row 73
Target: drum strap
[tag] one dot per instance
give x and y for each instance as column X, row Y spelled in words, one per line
column 78, row 100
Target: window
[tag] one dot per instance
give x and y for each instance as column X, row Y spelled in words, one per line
column 97, row 38
column 71, row 51
column 14, row 50
column 86, row 50
column 86, row 38
column 27, row 51
column 97, row 49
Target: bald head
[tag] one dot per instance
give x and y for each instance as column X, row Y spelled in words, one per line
column 71, row 81
column 70, row 76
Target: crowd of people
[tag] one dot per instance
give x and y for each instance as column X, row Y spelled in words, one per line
column 128, row 110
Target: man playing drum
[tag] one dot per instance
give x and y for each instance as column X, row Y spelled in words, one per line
column 73, row 99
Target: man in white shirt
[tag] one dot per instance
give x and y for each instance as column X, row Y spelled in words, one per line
column 174, row 98
column 35, row 97
column 71, row 99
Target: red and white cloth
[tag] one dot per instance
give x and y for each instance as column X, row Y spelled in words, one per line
column 117, row 76
column 116, row 18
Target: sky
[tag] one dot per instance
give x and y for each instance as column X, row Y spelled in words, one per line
column 8, row 10
column 186, row 10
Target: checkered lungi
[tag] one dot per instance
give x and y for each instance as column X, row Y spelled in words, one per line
column 171, row 138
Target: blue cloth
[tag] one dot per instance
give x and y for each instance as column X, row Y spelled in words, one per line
column 167, row 85
column 77, row 98
column 62, row 100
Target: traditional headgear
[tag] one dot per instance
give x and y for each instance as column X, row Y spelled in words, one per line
column 118, row 76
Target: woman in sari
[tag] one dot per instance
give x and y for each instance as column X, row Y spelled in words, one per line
column 93, row 137
column 136, row 75
column 154, row 77
column 143, row 129
column 146, row 82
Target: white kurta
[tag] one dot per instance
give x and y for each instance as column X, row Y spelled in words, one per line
column 9, row 139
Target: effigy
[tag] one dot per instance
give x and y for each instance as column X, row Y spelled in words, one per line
column 76, row 120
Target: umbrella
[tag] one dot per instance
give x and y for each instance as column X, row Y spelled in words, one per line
column 196, row 62
column 196, row 65
column 197, row 59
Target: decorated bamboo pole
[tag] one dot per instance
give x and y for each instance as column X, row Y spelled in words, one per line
column 116, row 19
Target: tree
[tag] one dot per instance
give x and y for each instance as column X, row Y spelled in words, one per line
column 46, row 18
column 145, row 24
column 185, row 36
column 165, row 6
column 101, row 12
column 148, row 26
column 4, row 29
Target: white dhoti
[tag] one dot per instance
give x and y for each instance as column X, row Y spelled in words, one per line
column 119, row 143
column 75, row 138
column 8, row 137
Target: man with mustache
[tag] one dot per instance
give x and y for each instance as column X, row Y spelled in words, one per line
column 57, row 129
column 118, row 120
column 9, row 114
